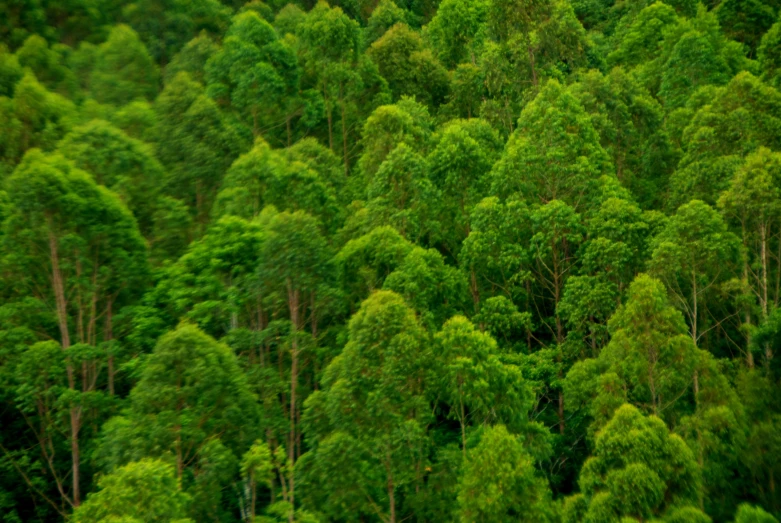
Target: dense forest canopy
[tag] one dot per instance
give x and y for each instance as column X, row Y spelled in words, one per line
column 430, row 261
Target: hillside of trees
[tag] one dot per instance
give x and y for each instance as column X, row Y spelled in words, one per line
column 376, row 262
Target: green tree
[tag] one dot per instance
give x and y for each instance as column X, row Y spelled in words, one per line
column 123, row 69
column 410, row 68
column 752, row 202
column 196, row 144
column 125, row 165
column 745, row 108
column 474, row 382
column 294, row 260
column 192, row 401
column 76, row 247
column 145, row 490
column 329, row 41
column 554, row 153
column 748, row 514
column 255, row 72
column 402, row 195
column 192, row 59
column 374, row 400
column 693, row 63
column 34, row 117
column 460, row 164
column 389, row 125
column 494, row 253
column 746, row 20
column 768, row 54
column 499, row 482
column 649, row 362
column 434, row 289
column 638, row 470
column 693, row 254
column 384, row 16
column 166, row 26
column 457, row 29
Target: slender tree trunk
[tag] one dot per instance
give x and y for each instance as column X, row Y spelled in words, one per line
column 109, row 335
column 294, row 306
column 58, row 286
column 253, row 497
column 59, row 297
column 700, row 457
column 391, row 490
column 329, row 111
column 652, row 382
column 532, row 65
column 694, row 306
column 763, row 254
column 747, row 315
column 462, row 419
column 75, row 419
column 344, row 133
column 764, row 298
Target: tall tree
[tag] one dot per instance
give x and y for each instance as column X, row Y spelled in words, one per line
column 374, row 399
column 78, row 249
column 555, row 152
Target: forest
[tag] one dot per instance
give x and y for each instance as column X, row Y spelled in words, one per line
column 375, row 262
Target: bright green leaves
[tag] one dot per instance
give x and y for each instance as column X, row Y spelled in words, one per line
column 768, row 54
column 374, row 399
column 434, row 289
column 629, row 122
column 457, row 29
column 499, row 482
column 254, row 71
column 294, row 179
column 141, row 491
column 402, row 195
column 474, row 382
column 460, row 163
column 649, row 361
column 692, row 63
column 193, row 402
column 34, row 117
column 125, row 165
column 690, row 255
column 744, row 108
column 409, row 67
column 555, row 152
column 748, row 514
column 638, row 470
column 389, row 125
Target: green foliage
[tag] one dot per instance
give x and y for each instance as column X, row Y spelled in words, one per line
column 409, row 67
column 638, row 470
column 554, row 153
column 390, row 260
column 145, row 490
column 123, row 70
column 498, row 482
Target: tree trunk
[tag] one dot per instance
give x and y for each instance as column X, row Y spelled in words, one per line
column 109, row 335
column 344, row 135
column 75, row 419
column 58, row 286
column 694, row 306
column 293, row 305
column 391, row 490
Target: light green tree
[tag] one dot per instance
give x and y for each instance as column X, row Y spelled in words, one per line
column 145, row 490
